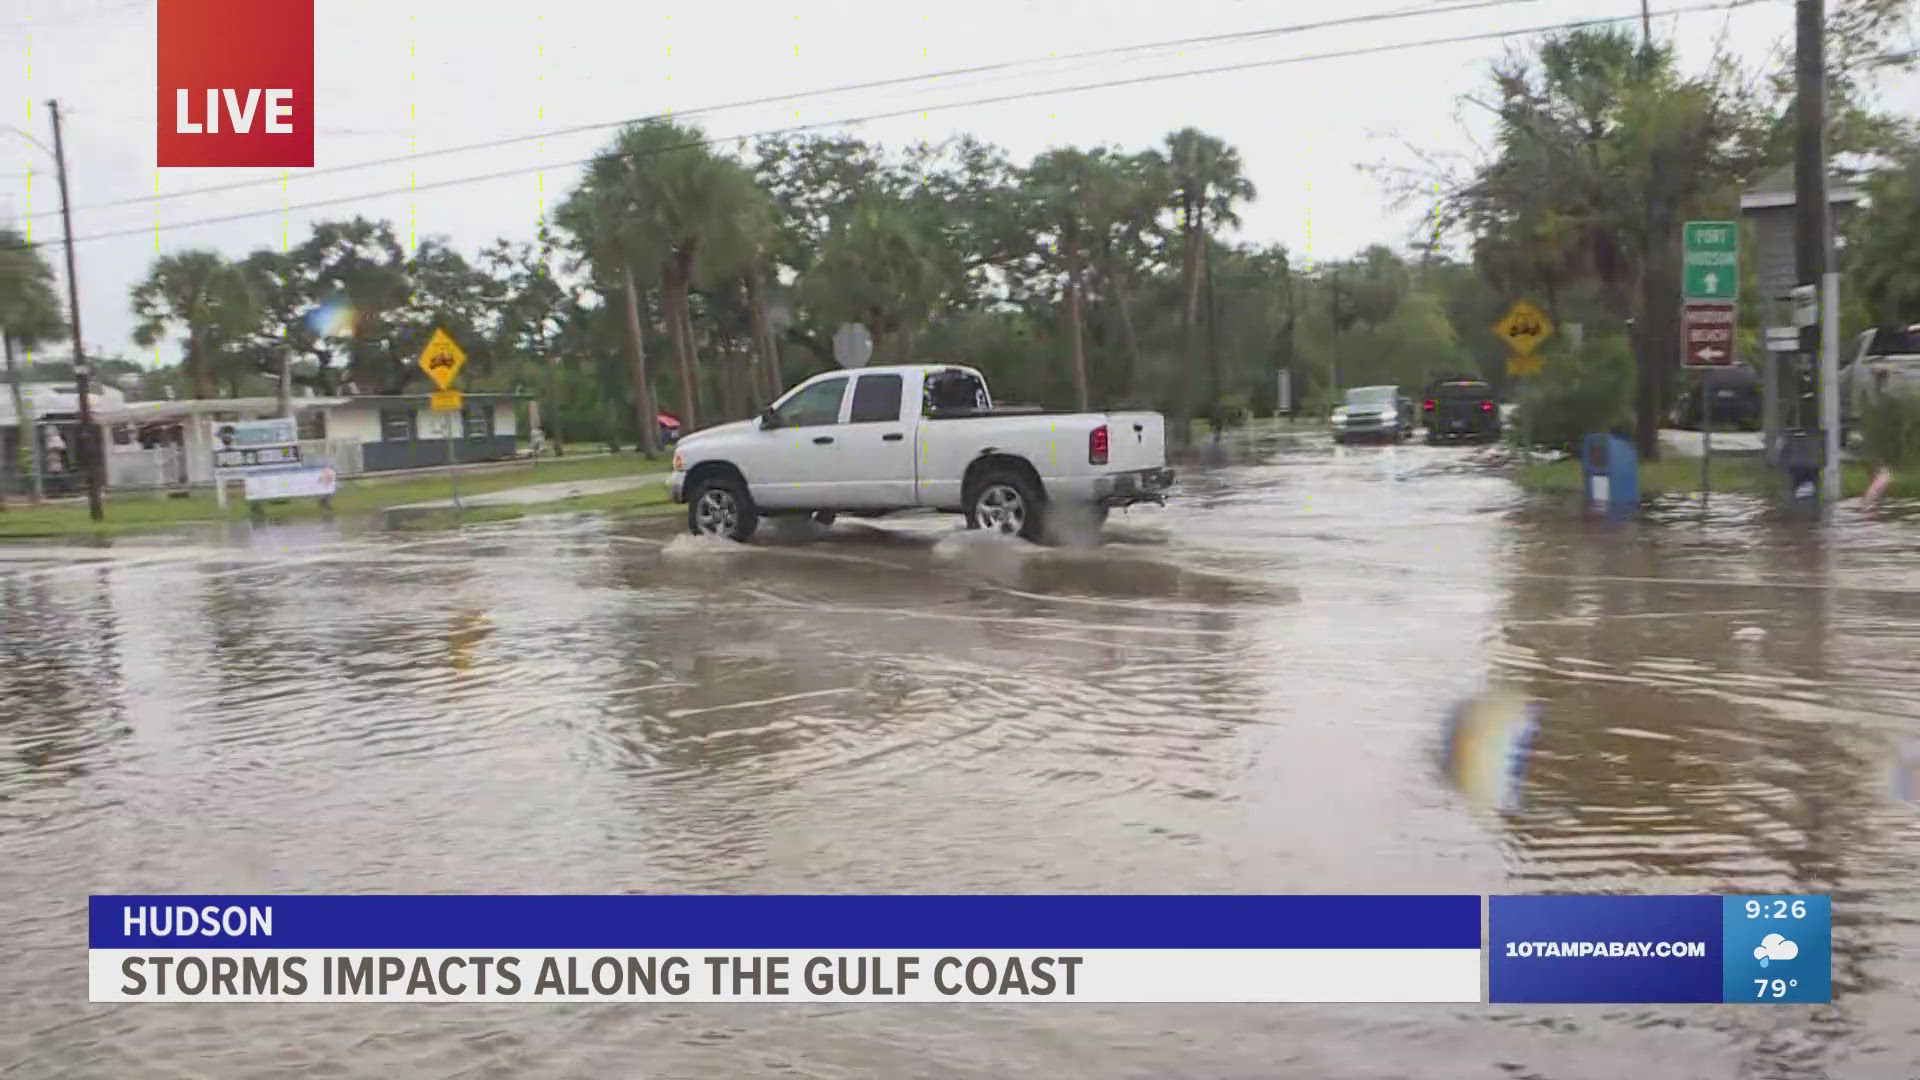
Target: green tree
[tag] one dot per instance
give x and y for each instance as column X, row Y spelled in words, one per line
column 1060, row 183
column 1207, row 181
column 29, row 315
column 1603, row 149
column 210, row 302
column 614, row 237
column 1885, row 243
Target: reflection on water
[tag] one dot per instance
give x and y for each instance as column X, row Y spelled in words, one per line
column 1239, row 692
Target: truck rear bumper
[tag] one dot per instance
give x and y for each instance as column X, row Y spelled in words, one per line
column 1125, row 489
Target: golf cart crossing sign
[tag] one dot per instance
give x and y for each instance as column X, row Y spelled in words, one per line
column 1711, row 261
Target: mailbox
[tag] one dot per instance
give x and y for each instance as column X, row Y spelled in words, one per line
column 1610, row 472
column 1802, row 453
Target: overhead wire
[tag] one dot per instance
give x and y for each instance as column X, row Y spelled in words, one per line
column 775, row 99
column 1491, row 35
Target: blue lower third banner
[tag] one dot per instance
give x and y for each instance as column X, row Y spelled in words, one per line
column 1659, row 949
column 1146, row 949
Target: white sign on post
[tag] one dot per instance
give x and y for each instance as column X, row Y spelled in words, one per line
column 244, row 446
column 290, row 484
column 241, row 447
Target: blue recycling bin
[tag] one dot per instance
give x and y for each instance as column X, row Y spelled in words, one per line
column 1610, row 472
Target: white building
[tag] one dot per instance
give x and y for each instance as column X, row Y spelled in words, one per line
column 158, row 444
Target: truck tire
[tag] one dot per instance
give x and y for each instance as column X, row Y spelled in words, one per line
column 720, row 506
column 1007, row 502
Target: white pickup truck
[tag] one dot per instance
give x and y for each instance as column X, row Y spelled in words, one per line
column 873, row 441
column 1883, row 359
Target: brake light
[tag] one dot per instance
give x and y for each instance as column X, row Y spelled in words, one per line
column 1486, row 406
column 1429, row 405
column 1097, row 446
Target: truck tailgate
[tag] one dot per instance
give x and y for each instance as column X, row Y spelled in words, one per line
column 1136, row 440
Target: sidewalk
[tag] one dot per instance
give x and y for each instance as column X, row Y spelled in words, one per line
column 1693, row 443
column 530, row 494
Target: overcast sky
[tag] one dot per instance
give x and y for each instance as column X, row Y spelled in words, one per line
column 395, row 77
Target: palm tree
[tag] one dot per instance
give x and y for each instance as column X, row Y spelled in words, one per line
column 885, row 263
column 29, row 314
column 608, row 236
column 677, row 199
column 1207, row 182
column 205, row 296
column 1059, row 181
column 1125, row 194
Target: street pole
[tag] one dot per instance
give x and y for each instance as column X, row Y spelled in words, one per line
column 1830, row 388
column 1336, row 332
column 89, row 445
column 1706, row 435
column 1646, row 24
column 453, row 466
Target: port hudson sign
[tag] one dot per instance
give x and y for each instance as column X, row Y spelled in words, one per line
column 235, row 84
column 1708, row 331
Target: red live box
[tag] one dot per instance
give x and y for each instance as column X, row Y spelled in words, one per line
column 236, row 84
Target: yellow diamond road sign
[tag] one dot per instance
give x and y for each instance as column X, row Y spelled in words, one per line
column 446, row 400
column 1524, row 328
column 442, row 359
column 1523, row 365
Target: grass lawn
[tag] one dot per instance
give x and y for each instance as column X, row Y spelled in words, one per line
column 1675, row 475
column 139, row 512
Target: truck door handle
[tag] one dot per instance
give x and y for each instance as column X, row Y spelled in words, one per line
column 893, row 437
column 822, row 440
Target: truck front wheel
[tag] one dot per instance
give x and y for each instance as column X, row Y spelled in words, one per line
column 720, row 506
column 1006, row 502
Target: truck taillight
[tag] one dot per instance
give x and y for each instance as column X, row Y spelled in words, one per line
column 1486, row 406
column 1097, row 446
column 1429, row 405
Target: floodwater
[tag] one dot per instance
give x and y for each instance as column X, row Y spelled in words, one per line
column 1241, row 692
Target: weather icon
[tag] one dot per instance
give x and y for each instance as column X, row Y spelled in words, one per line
column 1774, row 947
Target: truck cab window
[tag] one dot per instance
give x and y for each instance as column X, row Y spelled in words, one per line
column 815, row 405
column 951, row 392
column 876, row 399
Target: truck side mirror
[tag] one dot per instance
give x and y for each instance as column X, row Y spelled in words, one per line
column 769, row 419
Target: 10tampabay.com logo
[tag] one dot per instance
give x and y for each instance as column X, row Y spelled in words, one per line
column 235, row 84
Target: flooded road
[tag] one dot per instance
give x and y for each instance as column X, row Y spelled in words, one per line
column 1241, row 692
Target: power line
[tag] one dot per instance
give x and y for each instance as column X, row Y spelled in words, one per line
column 1492, row 35
column 875, row 84
column 30, row 23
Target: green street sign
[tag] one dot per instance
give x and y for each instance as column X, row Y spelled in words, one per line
column 1711, row 260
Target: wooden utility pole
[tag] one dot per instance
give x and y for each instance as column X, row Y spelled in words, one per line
column 1646, row 24
column 1813, row 237
column 89, row 442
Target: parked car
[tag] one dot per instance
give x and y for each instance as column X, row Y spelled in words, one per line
column 918, row 436
column 1458, row 408
column 1372, row 412
column 1733, row 390
column 1884, row 359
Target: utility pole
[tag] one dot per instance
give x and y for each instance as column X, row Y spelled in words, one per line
column 1646, row 25
column 1336, row 330
column 1813, row 235
column 89, row 444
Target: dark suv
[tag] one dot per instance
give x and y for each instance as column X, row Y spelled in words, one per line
column 1460, row 408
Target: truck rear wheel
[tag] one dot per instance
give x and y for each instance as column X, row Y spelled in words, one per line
column 1006, row 502
column 720, row 506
